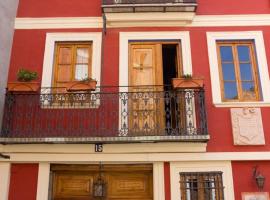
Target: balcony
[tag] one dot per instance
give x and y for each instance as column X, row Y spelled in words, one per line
column 132, row 6
column 107, row 115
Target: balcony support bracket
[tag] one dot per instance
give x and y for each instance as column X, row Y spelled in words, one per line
column 4, row 156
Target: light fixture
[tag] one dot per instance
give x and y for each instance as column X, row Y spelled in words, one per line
column 99, row 185
column 260, row 179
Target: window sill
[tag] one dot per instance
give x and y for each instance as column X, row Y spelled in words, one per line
column 243, row 104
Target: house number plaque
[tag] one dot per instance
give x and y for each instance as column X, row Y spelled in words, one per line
column 98, row 147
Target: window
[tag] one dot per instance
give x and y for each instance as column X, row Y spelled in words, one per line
column 92, row 39
column 201, row 186
column 238, row 71
column 72, row 62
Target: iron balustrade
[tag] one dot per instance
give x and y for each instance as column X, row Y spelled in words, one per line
column 113, row 2
column 126, row 6
column 109, row 114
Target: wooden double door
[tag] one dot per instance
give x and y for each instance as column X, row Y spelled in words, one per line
column 124, row 182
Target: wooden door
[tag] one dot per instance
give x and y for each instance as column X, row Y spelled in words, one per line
column 146, row 108
column 124, row 182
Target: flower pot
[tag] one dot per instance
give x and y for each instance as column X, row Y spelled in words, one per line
column 187, row 83
column 21, row 87
column 81, row 86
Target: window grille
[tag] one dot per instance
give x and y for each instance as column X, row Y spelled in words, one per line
column 201, row 186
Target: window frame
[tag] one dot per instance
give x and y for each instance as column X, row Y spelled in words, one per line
column 74, row 46
column 264, row 82
column 234, row 44
column 200, row 177
column 48, row 62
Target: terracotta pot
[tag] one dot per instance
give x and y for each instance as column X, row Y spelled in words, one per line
column 81, row 86
column 23, row 86
column 187, row 83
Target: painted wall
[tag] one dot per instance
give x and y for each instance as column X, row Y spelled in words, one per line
column 23, row 182
column 8, row 10
column 83, row 8
column 243, row 180
column 219, row 120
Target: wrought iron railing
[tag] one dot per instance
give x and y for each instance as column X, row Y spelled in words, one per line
column 112, row 2
column 109, row 114
column 125, row 6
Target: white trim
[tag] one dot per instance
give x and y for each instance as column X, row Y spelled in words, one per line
column 137, row 157
column 224, row 166
column 167, row 147
column 4, row 180
column 44, row 178
column 177, row 21
column 51, row 38
column 125, row 37
column 230, row 20
column 158, row 181
column 43, row 181
column 257, row 36
column 156, row 19
column 58, row 22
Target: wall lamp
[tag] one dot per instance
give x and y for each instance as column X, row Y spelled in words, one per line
column 259, row 178
column 100, row 186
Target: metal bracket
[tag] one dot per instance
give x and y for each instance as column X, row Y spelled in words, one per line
column 104, row 23
column 4, row 156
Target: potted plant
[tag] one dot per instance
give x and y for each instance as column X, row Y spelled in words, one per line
column 24, row 82
column 86, row 84
column 187, row 81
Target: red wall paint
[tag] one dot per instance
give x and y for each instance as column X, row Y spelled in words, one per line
column 243, row 180
column 23, row 182
column 219, row 121
column 220, row 7
column 83, row 8
column 59, row 8
column 167, row 181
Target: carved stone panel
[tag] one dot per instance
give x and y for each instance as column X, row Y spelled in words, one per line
column 247, row 126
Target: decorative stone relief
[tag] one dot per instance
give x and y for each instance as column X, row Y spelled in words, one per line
column 247, row 126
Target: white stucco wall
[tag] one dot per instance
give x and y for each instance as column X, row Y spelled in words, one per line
column 8, row 9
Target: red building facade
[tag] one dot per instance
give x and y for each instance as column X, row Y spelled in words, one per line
column 144, row 138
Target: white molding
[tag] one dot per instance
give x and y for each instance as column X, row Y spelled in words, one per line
column 4, row 180
column 137, row 157
column 167, row 147
column 48, row 62
column 257, row 36
column 224, row 166
column 158, row 181
column 149, row 19
column 58, row 22
column 44, row 178
column 230, row 20
column 172, row 20
column 125, row 37
column 43, row 181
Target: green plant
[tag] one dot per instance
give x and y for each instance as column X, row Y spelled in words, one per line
column 26, row 75
column 186, row 76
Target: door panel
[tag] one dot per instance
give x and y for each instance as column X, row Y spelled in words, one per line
column 145, row 73
column 130, row 186
column 124, row 182
column 73, row 186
